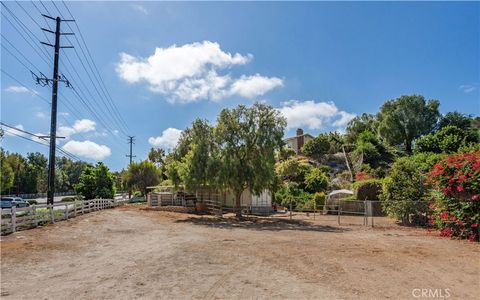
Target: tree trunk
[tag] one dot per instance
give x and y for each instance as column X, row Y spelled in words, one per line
column 238, row 208
column 408, row 146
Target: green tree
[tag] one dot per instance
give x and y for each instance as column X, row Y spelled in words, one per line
column 141, row 175
column 456, row 119
column 374, row 152
column 157, row 156
column 202, row 160
column 317, row 147
column 404, row 119
column 96, row 182
column 316, row 180
column 403, row 192
column 247, row 138
column 7, row 173
column 87, row 183
column 293, row 170
column 359, row 124
column 104, row 182
column 19, row 168
column 447, row 140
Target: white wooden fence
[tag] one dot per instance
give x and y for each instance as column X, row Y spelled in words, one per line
column 15, row 219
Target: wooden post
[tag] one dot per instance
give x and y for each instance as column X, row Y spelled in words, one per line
column 339, row 209
column 34, row 213
column 365, row 218
column 13, row 212
column 75, row 208
column 66, row 211
column 83, row 206
column 314, row 208
column 52, row 216
column 290, row 209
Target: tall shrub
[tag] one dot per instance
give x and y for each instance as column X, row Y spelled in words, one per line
column 403, row 193
column 457, row 209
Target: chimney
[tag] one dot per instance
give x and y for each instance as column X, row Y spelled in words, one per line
column 300, row 140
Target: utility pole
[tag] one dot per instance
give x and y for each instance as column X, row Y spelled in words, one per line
column 131, row 141
column 53, row 121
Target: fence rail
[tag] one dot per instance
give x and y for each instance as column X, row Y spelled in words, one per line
column 15, row 218
column 40, row 195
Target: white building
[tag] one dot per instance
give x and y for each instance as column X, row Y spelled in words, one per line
column 297, row 142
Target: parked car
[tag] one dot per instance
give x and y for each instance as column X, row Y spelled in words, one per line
column 8, row 202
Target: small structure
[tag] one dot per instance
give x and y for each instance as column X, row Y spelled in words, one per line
column 297, row 142
column 212, row 200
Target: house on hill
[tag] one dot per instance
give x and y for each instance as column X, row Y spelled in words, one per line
column 296, row 142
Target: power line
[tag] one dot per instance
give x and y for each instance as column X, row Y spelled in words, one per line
column 38, row 137
column 27, row 31
column 95, row 70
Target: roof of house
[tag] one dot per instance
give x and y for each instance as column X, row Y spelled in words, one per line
column 294, row 137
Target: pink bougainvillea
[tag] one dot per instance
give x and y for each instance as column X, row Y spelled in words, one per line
column 456, row 214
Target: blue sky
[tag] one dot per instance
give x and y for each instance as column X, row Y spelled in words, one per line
column 165, row 64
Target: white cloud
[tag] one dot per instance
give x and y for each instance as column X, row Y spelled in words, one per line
column 65, row 131
column 13, row 132
column 254, row 86
column 41, row 115
column 63, row 113
column 314, row 115
column 140, row 8
column 168, row 139
column 190, row 73
column 468, row 88
column 17, row 89
column 84, row 125
column 87, row 149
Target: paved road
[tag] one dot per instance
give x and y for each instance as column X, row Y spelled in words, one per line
column 59, row 198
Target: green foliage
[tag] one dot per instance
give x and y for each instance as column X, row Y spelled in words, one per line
column 87, row 186
column 316, row 180
column 459, row 120
column 7, row 175
column 317, row 147
column 403, row 192
column 374, row 152
column 96, row 182
column 293, row 170
column 32, row 202
column 156, row 156
column 404, row 119
column 425, row 161
column 202, row 160
column 291, row 193
column 447, row 140
column 141, row 175
column 359, row 124
column 247, row 139
column 285, row 153
column 369, row 189
column 104, row 181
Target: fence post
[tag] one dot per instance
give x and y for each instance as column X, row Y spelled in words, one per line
column 51, row 213
column 339, row 209
column 34, row 213
column 14, row 217
column 83, row 206
column 75, row 208
column 66, row 211
column 365, row 215
column 370, row 211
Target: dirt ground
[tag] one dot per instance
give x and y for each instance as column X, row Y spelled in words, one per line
column 128, row 253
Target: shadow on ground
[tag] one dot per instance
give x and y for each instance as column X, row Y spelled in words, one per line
column 260, row 224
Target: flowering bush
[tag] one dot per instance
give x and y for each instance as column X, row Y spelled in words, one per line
column 457, row 209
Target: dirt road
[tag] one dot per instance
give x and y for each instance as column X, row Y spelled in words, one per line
column 128, row 253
